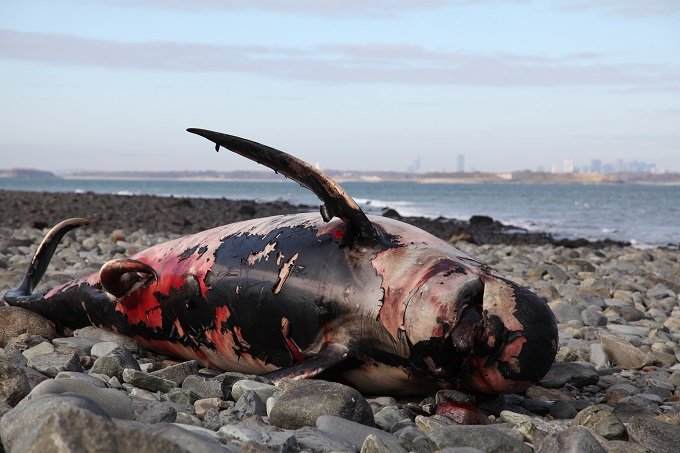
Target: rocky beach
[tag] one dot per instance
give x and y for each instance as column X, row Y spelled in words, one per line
column 615, row 386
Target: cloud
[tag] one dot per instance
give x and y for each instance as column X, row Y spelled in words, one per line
column 626, row 8
column 336, row 63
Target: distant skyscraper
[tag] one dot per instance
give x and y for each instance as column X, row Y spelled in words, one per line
column 461, row 163
column 568, row 166
column 414, row 166
column 596, row 166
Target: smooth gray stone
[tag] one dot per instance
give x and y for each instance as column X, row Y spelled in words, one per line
column 313, row 439
column 302, row 402
column 113, row 363
column 114, row 402
column 102, row 348
column 387, row 417
column 485, row 437
column 355, row 433
column 231, row 377
column 53, row 363
column 192, row 439
column 414, row 440
column 576, row 439
column 78, row 343
column 150, row 411
column 263, row 390
column 147, row 381
column 97, row 334
column 81, row 377
column 14, row 384
column 177, row 373
column 654, row 434
column 39, row 349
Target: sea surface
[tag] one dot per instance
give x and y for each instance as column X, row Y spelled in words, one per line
column 642, row 214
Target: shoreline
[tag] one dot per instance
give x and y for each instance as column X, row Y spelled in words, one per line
column 187, row 215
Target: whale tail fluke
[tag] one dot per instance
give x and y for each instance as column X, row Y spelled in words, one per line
column 23, row 295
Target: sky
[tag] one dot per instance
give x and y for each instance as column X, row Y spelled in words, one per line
column 345, row 84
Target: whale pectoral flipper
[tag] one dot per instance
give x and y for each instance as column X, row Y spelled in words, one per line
column 331, row 355
column 337, row 203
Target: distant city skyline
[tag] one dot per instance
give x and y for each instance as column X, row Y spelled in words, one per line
column 512, row 84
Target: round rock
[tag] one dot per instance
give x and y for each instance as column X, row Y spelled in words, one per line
column 302, row 402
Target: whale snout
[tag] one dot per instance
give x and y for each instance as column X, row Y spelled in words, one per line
column 519, row 342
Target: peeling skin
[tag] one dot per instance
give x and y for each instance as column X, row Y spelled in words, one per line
column 284, row 273
column 255, row 257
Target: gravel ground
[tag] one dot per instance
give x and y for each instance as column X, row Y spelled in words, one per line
column 615, row 386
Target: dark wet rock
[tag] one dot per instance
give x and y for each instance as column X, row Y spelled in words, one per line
column 578, row 374
column 654, row 434
column 302, row 402
column 177, row 373
column 486, row 438
column 629, row 407
column 147, row 381
column 15, row 321
column 151, row 411
column 203, row 387
column 315, row 440
column 54, row 363
column 114, row 402
column 576, row 439
column 355, row 433
column 601, row 420
column 14, row 384
column 562, row 410
column 113, row 363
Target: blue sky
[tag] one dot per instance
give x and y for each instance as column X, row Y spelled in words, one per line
column 347, row 84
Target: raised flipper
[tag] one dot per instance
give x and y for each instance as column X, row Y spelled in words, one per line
column 337, row 203
column 40, row 261
column 119, row 277
column 332, row 354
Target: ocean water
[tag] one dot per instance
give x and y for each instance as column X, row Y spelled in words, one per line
column 642, row 214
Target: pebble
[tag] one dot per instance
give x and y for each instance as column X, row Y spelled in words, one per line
column 601, row 420
column 355, row 433
column 15, row 384
column 177, row 373
column 147, row 381
column 15, row 321
column 302, row 402
column 113, row 363
column 53, row 363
